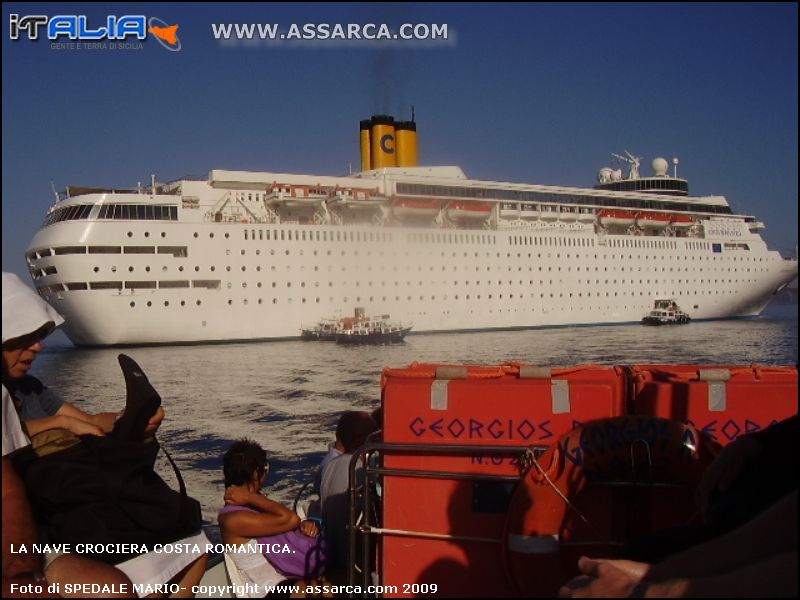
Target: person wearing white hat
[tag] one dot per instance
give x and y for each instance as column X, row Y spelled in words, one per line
column 27, row 320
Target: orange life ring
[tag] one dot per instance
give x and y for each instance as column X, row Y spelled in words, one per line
column 597, row 450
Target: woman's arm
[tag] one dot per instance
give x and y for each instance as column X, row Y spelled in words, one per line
column 272, row 517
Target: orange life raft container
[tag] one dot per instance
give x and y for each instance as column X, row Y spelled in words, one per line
column 460, row 515
column 723, row 402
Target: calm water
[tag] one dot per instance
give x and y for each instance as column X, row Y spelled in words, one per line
column 288, row 395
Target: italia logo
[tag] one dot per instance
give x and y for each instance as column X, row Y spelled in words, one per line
column 78, row 28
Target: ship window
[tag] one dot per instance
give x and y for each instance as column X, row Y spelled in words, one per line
column 176, row 251
column 105, row 285
column 173, row 284
column 105, row 250
column 211, row 284
column 139, row 250
column 134, row 285
column 70, row 250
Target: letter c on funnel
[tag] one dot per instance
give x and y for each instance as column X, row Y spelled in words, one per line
column 385, row 143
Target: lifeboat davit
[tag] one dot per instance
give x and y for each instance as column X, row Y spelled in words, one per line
column 466, row 210
column 292, row 196
column 616, row 218
column 681, row 221
column 648, row 220
column 415, row 208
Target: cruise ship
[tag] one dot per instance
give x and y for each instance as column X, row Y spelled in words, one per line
column 256, row 255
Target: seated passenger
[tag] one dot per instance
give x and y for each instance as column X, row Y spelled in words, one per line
column 351, row 432
column 27, row 320
column 19, row 528
column 278, row 544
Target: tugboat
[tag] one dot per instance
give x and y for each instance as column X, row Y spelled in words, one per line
column 324, row 331
column 373, row 331
column 666, row 312
column 358, row 329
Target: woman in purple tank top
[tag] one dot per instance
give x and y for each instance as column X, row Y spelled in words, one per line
column 249, row 518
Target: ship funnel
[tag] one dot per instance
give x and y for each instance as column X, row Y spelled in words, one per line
column 382, row 142
column 366, row 159
column 406, row 143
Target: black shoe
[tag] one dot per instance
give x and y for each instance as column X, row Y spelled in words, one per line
column 141, row 404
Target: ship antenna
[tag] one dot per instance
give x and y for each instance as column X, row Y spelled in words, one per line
column 53, row 187
column 413, row 120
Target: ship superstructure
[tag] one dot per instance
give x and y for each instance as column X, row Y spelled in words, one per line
column 253, row 255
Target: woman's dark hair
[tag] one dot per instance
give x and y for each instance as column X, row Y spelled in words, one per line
column 241, row 461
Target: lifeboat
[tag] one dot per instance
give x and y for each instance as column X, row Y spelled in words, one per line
column 681, row 221
column 616, row 218
column 568, row 214
column 465, row 210
column 415, row 208
column 586, row 215
column 293, row 196
column 648, row 220
column 356, row 198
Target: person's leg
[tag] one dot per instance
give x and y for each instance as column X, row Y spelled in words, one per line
column 72, row 569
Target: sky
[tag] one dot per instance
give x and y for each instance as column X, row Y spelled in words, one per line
column 531, row 93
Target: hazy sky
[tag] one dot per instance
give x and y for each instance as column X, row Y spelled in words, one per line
column 525, row 93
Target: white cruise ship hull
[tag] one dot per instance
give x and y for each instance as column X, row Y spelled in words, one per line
column 203, row 277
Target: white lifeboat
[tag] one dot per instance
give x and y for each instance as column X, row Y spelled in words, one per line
column 681, row 222
column 467, row 210
column 415, row 208
column 616, row 218
column 586, row 215
column 651, row 220
column 292, row 196
column 358, row 199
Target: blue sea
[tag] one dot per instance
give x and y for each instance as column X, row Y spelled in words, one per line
column 288, row 395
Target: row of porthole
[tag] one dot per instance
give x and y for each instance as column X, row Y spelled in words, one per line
column 147, row 234
column 478, row 297
column 433, row 298
column 212, row 269
column 149, row 303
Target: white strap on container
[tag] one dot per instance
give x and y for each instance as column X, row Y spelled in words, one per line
column 559, row 390
column 717, row 387
column 439, row 387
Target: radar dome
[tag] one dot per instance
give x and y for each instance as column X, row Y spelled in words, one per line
column 660, row 167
